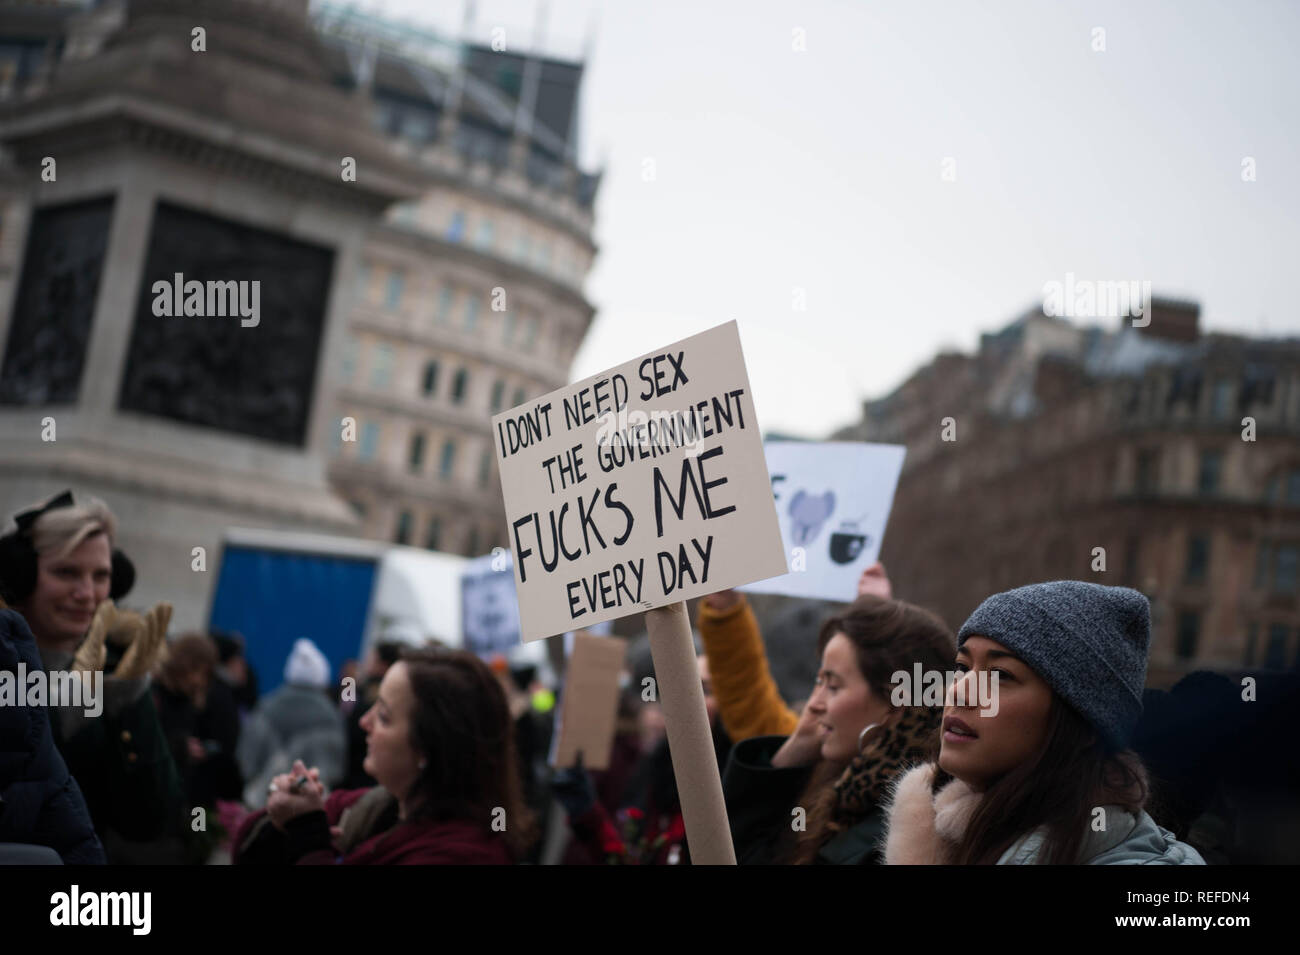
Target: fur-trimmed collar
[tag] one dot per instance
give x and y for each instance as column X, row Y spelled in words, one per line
column 924, row 826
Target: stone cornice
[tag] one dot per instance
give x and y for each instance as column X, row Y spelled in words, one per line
column 260, row 495
column 127, row 118
column 417, row 409
column 375, row 476
column 428, row 244
column 453, row 171
column 450, row 339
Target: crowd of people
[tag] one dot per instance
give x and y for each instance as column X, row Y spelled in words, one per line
column 431, row 755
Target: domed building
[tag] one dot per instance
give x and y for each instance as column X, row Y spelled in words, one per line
column 468, row 300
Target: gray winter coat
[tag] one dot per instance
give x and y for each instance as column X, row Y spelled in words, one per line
column 1126, row 840
column 294, row 722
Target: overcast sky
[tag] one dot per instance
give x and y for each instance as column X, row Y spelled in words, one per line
column 777, row 170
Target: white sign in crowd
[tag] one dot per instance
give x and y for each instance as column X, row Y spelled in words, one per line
column 833, row 501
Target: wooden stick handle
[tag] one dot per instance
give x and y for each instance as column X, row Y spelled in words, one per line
column 708, row 833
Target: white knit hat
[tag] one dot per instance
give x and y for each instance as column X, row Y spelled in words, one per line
column 306, row 665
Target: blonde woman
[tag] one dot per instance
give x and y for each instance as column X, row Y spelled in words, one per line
column 56, row 569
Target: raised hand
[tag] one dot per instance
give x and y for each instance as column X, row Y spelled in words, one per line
column 875, row 581
column 804, row 746
column 92, row 653
column 147, row 636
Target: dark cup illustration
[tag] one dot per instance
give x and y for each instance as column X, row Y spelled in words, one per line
column 847, row 543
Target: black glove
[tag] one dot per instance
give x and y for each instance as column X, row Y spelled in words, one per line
column 572, row 787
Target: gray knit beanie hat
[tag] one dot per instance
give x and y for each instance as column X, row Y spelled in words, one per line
column 1088, row 642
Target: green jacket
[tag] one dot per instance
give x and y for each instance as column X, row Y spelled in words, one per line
column 121, row 761
column 761, row 799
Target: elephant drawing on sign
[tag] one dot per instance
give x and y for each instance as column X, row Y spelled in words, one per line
column 808, row 512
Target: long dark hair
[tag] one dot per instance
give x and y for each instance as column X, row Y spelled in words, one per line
column 462, row 728
column 1058, row 788
column 887, row 636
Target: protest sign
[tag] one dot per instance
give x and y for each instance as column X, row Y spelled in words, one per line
column 590, row 705
column 489, row 611
column 832, row 500
column 638, row 487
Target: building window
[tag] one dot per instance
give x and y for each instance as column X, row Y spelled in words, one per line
column 348, row 367
column 364, row 276
column 446, row 298
column 1261, row 565
column 523, row 247
column 448, row 461
column 498, row 395
column 520, row 397
column 393, row 289
column 430, row 384
column 1198, row 558
column 1275, row 652
column 433, row 535
column 1189, row 622
column 456, row 229
column 403, row 535
column 485, row 469
column 1286, row 559
column 417, row 128
column 1148, row 471
column 459, row 385
column 530, row 336
column 416, row 459
column 471, row 312
column 1132, row 555
column 1221, row 399
column 508, row 336
column 369, row 443
column 473, row 542
column 381, row 368
column 486, row 234
column 1207, row 481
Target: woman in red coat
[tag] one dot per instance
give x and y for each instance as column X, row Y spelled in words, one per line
column 440, row 742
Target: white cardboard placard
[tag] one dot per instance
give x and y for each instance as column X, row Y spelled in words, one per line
column 637, row 487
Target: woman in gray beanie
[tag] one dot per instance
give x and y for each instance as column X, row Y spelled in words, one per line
column 1040, row 773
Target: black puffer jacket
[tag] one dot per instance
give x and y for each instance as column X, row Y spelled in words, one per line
column 40, row 803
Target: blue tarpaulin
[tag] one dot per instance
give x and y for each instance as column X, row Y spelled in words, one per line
column 275, row 597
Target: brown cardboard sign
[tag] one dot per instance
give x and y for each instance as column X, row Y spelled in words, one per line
column 590, row 707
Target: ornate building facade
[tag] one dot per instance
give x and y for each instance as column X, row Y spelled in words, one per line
column 1159, row 458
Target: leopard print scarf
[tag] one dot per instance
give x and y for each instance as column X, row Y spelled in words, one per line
column 865, row 782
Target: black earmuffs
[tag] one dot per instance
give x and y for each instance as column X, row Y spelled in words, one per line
column 18, row 559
